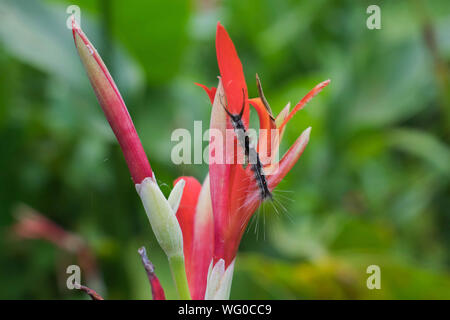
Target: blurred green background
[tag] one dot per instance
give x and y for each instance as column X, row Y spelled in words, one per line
column 371, row 188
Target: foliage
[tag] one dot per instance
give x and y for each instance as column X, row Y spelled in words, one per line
column 371, row 188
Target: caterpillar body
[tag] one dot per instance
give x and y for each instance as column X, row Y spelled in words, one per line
column 251, row 155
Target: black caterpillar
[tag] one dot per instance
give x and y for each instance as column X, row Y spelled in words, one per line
column 251, row 155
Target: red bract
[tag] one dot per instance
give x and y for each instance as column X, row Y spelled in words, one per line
column 120, row 121
column 234, row 191
column 196, row 220
column 113, row 106
column 157, row 289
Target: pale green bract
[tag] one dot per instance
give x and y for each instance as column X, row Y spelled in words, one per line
column 161, row 214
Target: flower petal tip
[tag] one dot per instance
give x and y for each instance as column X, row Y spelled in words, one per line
column 78, row 34
column 323, row 84
column 157, row 289
column 75, row 26
column 307, row 132
column 303, row 140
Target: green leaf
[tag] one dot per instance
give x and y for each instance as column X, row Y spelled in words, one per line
column 423, row 145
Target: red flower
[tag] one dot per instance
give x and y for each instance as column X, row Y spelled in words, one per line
column 234, row 191
column 213, row 216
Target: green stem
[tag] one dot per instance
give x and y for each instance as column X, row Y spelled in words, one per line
column 179, row 277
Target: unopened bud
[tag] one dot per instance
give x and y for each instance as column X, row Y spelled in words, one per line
column 162, row 217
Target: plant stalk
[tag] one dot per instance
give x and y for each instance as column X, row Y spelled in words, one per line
column 179, row 276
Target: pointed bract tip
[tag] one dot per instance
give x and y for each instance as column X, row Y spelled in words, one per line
column 73, row 27
column 145, row 261
column 157, row 289
column 304, row 137
column 325, row 83
column 307, row 132
column 76, row 29
column 142, row 251
column 220, row 29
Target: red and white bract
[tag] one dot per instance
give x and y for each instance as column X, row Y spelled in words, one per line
column 113, row 106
